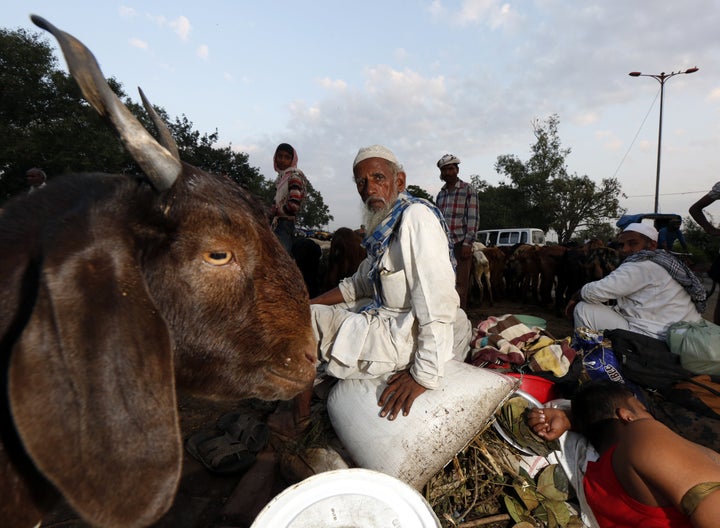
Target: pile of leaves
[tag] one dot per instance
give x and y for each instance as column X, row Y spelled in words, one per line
column 486, row 486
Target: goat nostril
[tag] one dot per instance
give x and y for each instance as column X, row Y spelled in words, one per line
column 311, row 357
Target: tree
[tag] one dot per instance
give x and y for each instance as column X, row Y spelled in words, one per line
column 606, row 232
column 498, row 205
column 580, row 203
column 541, row 193
column 314, row 212
column 419, row 192
column 44, row 121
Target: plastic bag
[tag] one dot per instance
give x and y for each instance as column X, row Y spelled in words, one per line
column 599, row 361
column 697, row 344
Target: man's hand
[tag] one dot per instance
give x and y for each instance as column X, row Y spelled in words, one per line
column 548, row 423
column 400, row 393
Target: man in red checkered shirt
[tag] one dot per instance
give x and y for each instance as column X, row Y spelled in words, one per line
column 459, row 204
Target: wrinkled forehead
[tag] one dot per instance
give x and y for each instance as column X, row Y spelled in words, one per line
column 632, row 236
column 373, row 166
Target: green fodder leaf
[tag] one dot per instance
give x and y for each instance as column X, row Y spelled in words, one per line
column 527, row 493
column 558, row 513
column 516, row 510
column 553, row 484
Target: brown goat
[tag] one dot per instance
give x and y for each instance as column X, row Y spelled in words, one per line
column 114, row 291
column 346, row 254
column 480, row 269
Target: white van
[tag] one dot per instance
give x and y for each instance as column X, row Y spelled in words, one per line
column 510, row 237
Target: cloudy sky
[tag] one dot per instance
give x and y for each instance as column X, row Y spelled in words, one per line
column 425, row 78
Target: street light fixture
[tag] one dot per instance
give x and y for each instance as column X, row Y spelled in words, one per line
column 661, row 78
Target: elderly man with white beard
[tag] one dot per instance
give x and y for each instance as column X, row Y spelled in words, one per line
column 400, row 312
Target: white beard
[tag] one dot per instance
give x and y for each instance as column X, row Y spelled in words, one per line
column 373, row 218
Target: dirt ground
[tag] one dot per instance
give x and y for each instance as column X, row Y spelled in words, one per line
column 208, row 500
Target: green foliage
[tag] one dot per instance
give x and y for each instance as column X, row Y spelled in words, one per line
column 541, row 193
column 499, row 206
column 46, row 123
column 419, row 192
column 314, row 212
column 542, row 502
column 576, row 202
column 604, row 231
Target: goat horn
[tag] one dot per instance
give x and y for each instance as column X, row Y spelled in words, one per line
column 156, row 161
column 166, row 139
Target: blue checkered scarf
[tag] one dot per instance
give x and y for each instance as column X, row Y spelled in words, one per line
column 678, row 271
column 377, row 242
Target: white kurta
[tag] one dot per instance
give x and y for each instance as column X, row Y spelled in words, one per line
column 648, row 299
column 420, row 323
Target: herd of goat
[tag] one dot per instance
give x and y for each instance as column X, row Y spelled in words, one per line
column 543, row 274
column 524, row 272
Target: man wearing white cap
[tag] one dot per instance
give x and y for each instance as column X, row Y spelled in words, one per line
column 459, row 204
column 399, row 313
column 652, row 288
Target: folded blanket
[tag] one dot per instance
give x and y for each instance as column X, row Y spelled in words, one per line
column 505, row 341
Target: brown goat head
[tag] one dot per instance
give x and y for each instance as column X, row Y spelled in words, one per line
column 346, row 254
column 117, row 289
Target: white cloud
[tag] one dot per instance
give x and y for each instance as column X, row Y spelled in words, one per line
column 203, row 51
column 406, row 84
column 126, row 11
column 436, row 8
column 609, row 140
column 714, row 95
column 336, row 85
column 138, row 43
column 181, row 26
column 157, row 19
column 250, row 148
column 476, row 10
column 586, row 118
column 492, row 13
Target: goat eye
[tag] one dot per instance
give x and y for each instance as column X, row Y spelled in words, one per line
column 217, row 258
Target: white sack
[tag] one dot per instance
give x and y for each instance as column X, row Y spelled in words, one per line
column 441, row 422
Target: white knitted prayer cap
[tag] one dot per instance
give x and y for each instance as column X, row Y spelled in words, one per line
column 644, row 229
column 376, row 151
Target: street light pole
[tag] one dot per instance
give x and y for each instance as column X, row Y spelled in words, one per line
column 661, row 78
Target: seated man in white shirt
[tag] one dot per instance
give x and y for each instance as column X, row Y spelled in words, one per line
column 652, row 290
column 400, row 312
column 414, row 324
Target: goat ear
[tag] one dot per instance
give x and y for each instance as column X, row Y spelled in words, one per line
column 92, row 388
